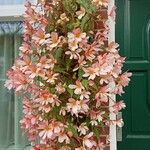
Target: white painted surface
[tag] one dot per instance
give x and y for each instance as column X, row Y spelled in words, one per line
column 13, row 10
column 113, row 140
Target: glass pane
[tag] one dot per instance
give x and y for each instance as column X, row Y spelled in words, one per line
column 10, row 106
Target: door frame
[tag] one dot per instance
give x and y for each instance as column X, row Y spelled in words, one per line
column 111, row 37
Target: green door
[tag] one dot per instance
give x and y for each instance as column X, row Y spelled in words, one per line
column 133, row 34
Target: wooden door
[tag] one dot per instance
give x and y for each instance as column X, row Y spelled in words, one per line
column 133, row 34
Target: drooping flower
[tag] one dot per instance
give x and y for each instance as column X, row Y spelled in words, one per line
column 101, row 2
column 76, row 35
column 59, row 88
column 63, row 19
column 85, row 94
column 40, row 37
column 118, row 122
column 17, row 80
column 88, row 142
column 117, row 107
column 63, row 138
column 81, row 12
column 78, row 87
column 54, row 40
column 80, row 148
column 83, row 129
column 73, row 106
column 90, row 72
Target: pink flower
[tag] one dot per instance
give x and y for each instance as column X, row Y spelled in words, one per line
column 63, row 19
column 80, row 148
column 50, row 130
column 100, row 116
column 73, row 45
column 83, row 129
column 17, row 80
column 83, row 106
column 117, row 107
column 73, row 54
column 101, row 146
column 78, row 87
column 81, row 62
column 54, row 40
column 59, row 88
column 26, row 48
column 46, row 98
column 62, row 111
column 85, row 94
column 88, row 142
column 63, row 138
column 34, row 71
column 112, row 47
column 124, row 79
column 27, row 106
column 112, row 13
column 118, row 122
column 45, row 108
column 101, row 2
column 51, row 77
column 46, row 130
column 73, row 106
column 90, row 72
column 102, row 96
column 40, row 37
column 76, row 35
column 74, row 50
column 81, row 12
column 46, row 62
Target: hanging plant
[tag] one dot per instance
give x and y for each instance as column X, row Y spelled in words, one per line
column 67, row 73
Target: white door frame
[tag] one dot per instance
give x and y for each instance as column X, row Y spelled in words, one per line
column 113, row 139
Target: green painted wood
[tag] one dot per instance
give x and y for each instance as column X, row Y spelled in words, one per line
column 133, row 34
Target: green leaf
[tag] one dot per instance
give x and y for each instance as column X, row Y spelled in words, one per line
column 87, row 23
column 70, row 26
column 52, row 90
column 59, row 70
column 87, row 5
column 58, row 54
column 70, row 6
column 55, row 113
column 96, row 132
column 70, row 91
column 68, row 64
column 72, row 129
column 85, row 83
column 80, row 73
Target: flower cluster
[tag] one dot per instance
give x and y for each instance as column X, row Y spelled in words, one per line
column 67, row 73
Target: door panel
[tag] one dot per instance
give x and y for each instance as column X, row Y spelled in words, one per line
column 133, row 34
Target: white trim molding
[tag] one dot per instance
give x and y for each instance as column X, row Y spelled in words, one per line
column 113, row 139
column 13, row 12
